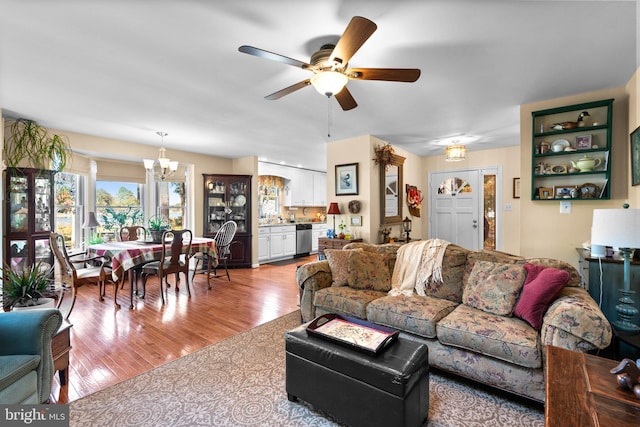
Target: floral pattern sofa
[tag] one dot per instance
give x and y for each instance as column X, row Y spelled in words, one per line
column 466, row 319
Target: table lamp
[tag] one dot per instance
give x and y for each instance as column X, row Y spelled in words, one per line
column 91, row 222
column 406, row 224
column 334, row 210
column 620, row 228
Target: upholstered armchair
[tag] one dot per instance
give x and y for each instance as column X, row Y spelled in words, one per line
column 26, row 361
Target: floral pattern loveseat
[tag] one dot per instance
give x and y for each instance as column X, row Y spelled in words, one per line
column 467, row 319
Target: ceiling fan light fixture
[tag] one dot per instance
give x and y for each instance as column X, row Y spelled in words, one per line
column 329, row 82
column 455, row 153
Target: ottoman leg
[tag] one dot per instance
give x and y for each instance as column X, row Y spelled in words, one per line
column 291, row 397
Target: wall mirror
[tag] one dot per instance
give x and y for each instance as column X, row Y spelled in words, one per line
column 391, row 188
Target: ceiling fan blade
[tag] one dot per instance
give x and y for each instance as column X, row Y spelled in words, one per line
column 354, row 36
column 287, row 90
column 345, row 99
column 272, row 56
column 409, row 75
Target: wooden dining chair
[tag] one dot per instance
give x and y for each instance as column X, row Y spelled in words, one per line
column 129, row 234
column 77, row 270
column 175, row 244
column 134, row 232
column 224, row 239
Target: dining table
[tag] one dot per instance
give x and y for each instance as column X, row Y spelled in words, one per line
column 124, row 256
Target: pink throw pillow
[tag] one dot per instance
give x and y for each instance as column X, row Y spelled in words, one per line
column 540, row 289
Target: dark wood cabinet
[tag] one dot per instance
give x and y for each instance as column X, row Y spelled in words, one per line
column 228, row 198
column 28, row 216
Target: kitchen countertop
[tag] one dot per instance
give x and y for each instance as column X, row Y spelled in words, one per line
column 291, row 223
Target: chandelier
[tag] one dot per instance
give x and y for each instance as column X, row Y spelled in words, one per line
column 166, row 167
column 455, row 153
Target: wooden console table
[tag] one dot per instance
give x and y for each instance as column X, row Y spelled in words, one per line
column 328, row 243
column 61, row 347
column 581, row 392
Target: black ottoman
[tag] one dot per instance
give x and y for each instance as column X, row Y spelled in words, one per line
column 389, row 389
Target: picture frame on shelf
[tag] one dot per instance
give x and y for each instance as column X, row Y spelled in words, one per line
column 564, row 191
column 589, row 191
column 583, row 142
column 635, row 156
column 545, row 192
column 516, row 188
column 347, row 179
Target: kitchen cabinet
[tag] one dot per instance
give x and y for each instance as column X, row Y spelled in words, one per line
column 264, row 235
column 282, row 241
column 319, row 189
column 317, row 231
column 28, row 217
column 571, row 152
column 228, row 198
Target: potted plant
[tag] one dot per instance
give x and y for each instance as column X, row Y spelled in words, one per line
column 341, row 226
column 157, row 224
column 27, row 141
column 27, row 286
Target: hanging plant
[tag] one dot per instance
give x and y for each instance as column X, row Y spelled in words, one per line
column 28, row 141
column 384, row 155
column 414, row 200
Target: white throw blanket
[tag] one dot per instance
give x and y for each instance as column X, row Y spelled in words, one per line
column 417, row 264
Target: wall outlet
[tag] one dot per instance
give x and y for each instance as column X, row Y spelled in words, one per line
column 508, row 207
column 565, row 207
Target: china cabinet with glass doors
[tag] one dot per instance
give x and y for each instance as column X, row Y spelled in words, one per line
column 228, row 198
column 28, row 217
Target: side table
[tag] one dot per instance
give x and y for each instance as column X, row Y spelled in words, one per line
column 61, row 347
column 630, row 338
column 581, row 392
column 329, row 243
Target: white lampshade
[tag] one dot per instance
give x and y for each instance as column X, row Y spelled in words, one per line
column 329, row 82
column 619, row 228
column 148, row 163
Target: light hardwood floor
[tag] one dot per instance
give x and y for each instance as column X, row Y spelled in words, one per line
column 110, row 345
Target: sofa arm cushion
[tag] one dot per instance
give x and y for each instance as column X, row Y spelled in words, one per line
column 312, row 277
column 574, row 312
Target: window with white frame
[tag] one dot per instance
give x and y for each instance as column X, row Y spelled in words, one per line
column 171, row 202
column 118, row 203
column 69, row 202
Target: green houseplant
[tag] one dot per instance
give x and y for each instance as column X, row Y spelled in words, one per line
column 27, row 144
column 157, row 224
column 27, row 286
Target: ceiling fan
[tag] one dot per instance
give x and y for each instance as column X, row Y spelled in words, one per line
column 329, row 65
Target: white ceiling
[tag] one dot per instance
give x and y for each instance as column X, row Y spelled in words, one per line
column 125, row 69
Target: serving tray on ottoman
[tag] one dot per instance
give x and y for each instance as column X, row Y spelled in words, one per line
column 390, row 388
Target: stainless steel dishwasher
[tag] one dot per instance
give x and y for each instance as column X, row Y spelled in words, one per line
column 303, row 239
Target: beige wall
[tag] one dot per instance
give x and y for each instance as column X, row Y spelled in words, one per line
column 544, row 231
column 504, row 158
column 361, row 150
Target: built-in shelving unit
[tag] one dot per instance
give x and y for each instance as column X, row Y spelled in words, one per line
column 571, row 152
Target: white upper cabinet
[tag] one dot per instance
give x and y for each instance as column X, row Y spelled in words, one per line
column 302, row 187
column 319, row 189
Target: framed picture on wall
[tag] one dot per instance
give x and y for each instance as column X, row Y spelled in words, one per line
column 347, row 179
column 635, row 157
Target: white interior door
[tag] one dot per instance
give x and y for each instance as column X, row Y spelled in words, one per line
column 454, row 209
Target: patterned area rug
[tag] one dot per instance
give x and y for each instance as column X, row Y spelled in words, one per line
column 240, row 381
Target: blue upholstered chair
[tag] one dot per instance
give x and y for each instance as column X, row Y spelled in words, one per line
column 26, row 361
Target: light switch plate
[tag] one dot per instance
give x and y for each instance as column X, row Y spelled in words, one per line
column 508, row 207
column 565, row 207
